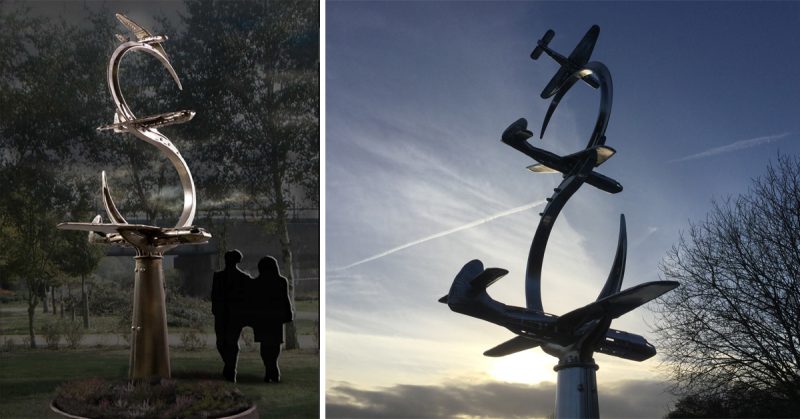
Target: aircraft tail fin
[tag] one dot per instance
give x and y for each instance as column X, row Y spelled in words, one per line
column 488, row 277
column 615, row 305
column 517, row 132
column 470, row 285
column 511, row 346
column 542, row 44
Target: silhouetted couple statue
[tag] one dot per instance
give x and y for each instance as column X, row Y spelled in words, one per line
column 238, row 300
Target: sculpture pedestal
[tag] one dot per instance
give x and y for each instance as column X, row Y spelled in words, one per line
column 149, row 340
column 576, row 396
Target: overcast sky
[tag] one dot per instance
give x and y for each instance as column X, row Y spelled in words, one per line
column 418, row 93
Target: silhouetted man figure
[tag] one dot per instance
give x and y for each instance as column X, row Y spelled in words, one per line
column 228, row 289
column 271, row 307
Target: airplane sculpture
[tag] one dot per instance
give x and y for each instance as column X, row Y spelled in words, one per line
column 146, row 239
column 516, row 136
column 569, row 65
column 149, row 339
column 575, row 336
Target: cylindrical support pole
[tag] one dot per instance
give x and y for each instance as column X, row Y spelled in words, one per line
column 576, row 396
column 149, row 342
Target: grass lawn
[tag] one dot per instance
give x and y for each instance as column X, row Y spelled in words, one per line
column 28, row 378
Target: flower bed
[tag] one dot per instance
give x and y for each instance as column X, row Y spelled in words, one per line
column 165, row 398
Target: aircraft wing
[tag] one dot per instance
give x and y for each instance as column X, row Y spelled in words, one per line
column 603, row 153
column 615, row 305
column 540, row 168
column 555, row 83
column 142, row 35
column 138, row 31
column 513, row 345
column 107, row 228
column 580, row 55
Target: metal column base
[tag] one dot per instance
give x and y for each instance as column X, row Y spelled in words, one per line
column 149, row 342
column 576, row 396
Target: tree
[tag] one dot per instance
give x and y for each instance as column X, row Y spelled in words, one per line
column 734, row 321
column 78, row 257
column 253, row 70
column 739, row 401
column 30, row 241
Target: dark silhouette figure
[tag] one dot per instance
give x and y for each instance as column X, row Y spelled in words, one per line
column 228, row 290
column 271, row 307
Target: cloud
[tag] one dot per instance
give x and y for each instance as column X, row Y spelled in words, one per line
column 632, row 398
column 738, row 145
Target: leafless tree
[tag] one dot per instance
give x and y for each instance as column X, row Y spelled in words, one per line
column 735, row 319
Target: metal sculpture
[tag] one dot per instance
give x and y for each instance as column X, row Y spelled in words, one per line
column 149, row 339
column 573, row 337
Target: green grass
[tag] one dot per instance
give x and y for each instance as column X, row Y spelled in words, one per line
column 29, row 378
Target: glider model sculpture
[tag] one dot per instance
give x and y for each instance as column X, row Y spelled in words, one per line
column 149, row 344
column 573, row 337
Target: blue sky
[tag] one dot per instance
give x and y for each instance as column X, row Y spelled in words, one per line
column 418, row 93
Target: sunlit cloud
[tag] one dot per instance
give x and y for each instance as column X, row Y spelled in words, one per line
column 738, row 145
column 630, row 398
column 442, row 234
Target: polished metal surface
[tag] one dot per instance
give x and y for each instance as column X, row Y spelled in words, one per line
column 149, row 346
column 149, row 340
column 574, row 337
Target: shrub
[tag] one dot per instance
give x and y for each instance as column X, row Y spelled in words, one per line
column 73, row 333
column 107, row 299
column 8, row 345
column 192, row 340
column 190, row 312
column 52, row 334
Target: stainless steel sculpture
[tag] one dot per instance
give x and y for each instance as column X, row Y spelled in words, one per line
column 573, row 337
column 149, row 343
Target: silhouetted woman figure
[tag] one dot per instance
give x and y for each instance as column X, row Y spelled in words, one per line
column 271, row 294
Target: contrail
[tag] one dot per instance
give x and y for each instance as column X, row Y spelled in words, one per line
column 443, row 233
column 739, row 145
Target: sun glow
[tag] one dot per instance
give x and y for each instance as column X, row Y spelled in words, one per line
column 528, row 367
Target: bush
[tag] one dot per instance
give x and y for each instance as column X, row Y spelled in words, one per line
column 190, row 312
column 73, row 333
column 192, row 340
column 8, row 345
column 106, row 299
column 51, row 332
column 124, row 324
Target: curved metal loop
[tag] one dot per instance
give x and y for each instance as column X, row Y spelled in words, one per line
column 599, row 72
column 571, row 183
column 151, row 135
